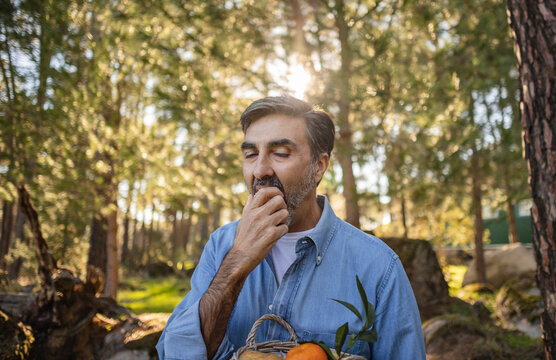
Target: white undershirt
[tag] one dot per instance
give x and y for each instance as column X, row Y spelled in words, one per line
column 283, row 252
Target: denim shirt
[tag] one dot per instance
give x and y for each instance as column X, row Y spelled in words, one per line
column 324, row 269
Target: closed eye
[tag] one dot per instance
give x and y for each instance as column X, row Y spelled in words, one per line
column 282, row 155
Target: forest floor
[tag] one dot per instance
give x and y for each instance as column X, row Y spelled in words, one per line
column 162, row 294
column 152, row 295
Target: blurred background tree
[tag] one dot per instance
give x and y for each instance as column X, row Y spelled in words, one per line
column 122, row 120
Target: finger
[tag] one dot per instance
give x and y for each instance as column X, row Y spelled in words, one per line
column 281, row 230
column 264, row 194
column 249, row 200
column 280, row 217
column 276, row 203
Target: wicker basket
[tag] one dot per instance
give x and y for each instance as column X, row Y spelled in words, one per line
column 274, row 346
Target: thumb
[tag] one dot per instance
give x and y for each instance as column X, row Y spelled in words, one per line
column 249, row 201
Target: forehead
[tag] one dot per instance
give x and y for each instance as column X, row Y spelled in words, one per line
column 277, row 126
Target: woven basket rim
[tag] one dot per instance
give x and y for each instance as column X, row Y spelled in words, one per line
column 276, row 346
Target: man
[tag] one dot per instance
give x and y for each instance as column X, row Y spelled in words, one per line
column 290, row 255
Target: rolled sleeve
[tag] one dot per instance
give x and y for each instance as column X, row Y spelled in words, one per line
column 398, row 325
column 182, row 337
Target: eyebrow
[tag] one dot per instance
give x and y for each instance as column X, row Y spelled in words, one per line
column 274, row 143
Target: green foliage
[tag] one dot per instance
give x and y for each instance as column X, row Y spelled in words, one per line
column 365, row 334
column 454, row 277
column 133, row 107
column 152, row 295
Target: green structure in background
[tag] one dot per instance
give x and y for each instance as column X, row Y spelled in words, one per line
column 497, row 224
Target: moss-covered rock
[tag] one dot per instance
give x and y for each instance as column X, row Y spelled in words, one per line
column 519, row 305
column 16, row 339
column 423, row 270
column 458, row 337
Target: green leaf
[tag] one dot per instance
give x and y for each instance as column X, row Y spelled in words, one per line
column 351, row 342
column 326, row 349
column 364, row 300
column 369, row 336
column 350, row 307
column 370, row 316
column 341, row 335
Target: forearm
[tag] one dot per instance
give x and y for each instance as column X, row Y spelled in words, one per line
column 217, row 303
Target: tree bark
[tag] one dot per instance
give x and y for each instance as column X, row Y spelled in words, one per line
column 478, row 211
column 97, row 247
column 46, row 262
column 512, row 228
column 185, row 231
column 345, row 144
column 404, row 216
column 477, row 203
column 149, row 238
column 6, row 234
column 112, row 263
column 125, row 239
column 534, row 29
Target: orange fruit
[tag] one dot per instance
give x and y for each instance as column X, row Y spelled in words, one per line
column 308, row 351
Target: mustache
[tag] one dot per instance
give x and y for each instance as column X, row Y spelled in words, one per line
column 270, row 181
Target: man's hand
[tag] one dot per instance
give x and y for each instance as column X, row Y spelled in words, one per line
column 261, row 225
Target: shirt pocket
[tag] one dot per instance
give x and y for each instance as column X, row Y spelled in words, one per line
column 359, row 348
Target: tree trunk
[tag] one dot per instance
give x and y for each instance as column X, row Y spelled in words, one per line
column 185, row 231
column 125, row 240
column 477, row 202
column 149, row 238
column 6, row 234
column 97, row 242
column 174, row 235
column 132, row 258
column 512, row 228
column 404, row 219
column 46, row 262
column 477, row 209
column 534, row 29
column 112, row 264
column 141, row 244
column 345, row 144
column 14, row 268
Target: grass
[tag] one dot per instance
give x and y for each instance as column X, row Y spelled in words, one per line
column 454, row 276
column 153, row 295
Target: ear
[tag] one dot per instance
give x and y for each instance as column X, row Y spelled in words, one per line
column 320, row 167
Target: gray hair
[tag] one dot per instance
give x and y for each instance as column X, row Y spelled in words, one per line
column 320, row 128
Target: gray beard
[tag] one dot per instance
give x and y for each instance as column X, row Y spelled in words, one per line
column 299, row 193
column 294, row 198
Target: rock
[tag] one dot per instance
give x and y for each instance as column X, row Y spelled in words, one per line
column 458, row 337
column 519, row 305
column 423, row 270
column 16, row 339
column 147, row 333
column 510, row 261
column 451, row 337
column 131, row 355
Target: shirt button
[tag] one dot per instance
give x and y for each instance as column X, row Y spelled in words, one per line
column 319, row 258
column 270, row 307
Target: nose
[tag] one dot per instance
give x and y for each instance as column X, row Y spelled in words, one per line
column 263, row 167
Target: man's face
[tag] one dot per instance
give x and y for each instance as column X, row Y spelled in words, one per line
column 276, row 152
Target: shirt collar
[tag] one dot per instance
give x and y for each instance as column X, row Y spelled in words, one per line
column 323, row 233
